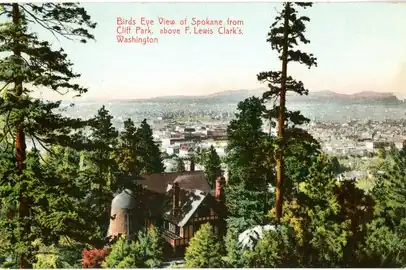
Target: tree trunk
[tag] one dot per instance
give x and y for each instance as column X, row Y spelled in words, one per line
column 24, row 211
column 280, row 170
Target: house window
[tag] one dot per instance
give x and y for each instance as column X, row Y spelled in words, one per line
column 172, row 227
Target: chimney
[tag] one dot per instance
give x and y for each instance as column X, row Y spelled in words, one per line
column 175, row 202
column 192, row 164
column 220, row 182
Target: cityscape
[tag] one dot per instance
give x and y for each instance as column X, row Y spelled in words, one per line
column 344, row 129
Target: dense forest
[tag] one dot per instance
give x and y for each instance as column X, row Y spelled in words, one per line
column 55, row 196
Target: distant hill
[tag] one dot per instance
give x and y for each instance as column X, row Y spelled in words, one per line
column 234, row 96
column 360, row 97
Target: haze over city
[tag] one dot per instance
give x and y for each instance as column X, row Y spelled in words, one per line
column 359, row 46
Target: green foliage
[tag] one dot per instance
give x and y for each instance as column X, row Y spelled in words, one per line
column 386, row 233
column 212, row 165
column 126, row 156
column 275, row 249
column 65, row 254
column 244, row 151
column 250, row 167
column 59, row 205
column 384, row 247
column 390, row 190
column 99, row 169
column 204, row 249
column 149, row 153
column 366, row 183
column 32, row 195
column 125, row 254
column 381, row 153
column 247, row 207
column 233, row 256
column 145, row 252
column 319, row 234
column 152, row 244
column 104, row 138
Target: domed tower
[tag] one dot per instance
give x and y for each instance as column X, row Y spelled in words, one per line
column 121, row 214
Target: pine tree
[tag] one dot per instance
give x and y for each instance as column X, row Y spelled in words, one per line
column 285, row 34
column 212, row 166
column 126, row 156
column 104, row 137
column 33, row 63
column 99, row 172
column 249, row 166
column 204, row 250
column 150, row 154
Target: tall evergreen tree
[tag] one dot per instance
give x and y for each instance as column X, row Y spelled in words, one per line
column 26, row 63
column 150, row 154
column 126, row 156
column 100, row 168
column 212, row 165
column 249, row 166
column 285, row 34
column 104, row 137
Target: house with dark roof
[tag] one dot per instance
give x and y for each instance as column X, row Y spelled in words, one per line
column 178, row 203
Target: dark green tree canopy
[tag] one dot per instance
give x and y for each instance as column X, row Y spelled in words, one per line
column 212, row 165
column 150, row 155
column 29, row 63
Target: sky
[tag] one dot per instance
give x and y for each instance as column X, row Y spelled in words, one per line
column 359, row 46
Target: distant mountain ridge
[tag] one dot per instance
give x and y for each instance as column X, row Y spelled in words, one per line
column 232, row 96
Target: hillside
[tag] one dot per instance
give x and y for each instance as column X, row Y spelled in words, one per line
column 234, row 96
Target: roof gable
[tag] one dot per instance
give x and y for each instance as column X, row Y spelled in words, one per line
column 158, row 182
column 190, row 200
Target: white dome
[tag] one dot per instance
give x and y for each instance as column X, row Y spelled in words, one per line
column 124, row 200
